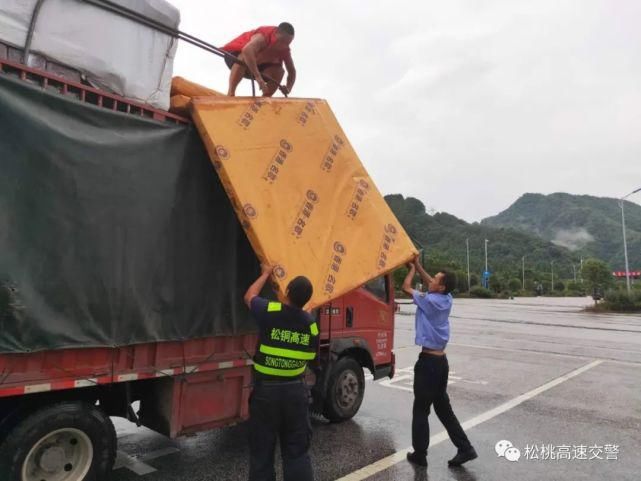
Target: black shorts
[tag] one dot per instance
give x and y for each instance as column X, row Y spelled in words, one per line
column 261, row 67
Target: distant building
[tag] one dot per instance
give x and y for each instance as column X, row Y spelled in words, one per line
column 621, row 274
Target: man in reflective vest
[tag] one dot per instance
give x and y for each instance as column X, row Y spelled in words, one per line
column 263, row 51
column 279, row 404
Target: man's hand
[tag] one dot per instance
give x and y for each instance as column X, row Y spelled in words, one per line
column 266, row 269
column 425, row 277
column 262, row 84
column 254, row 290
column 285, row 89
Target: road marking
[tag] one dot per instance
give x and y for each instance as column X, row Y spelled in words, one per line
column 137, row 465
column 407, row 374
column 534, row 351
column 547, row 353
column 123, row 460
column 159, row 453
column 397, row 457
column 393, row 383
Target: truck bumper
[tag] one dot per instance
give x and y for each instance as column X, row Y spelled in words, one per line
column 385, row 370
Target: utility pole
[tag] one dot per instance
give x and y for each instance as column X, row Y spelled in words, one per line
column 625, row 249
column 467, row 247
column 625, row 244
column 486, row 274
column 486, row 241
column 581, row 271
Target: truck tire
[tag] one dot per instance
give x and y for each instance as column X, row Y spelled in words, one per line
column 69, row 441
column 345, row 390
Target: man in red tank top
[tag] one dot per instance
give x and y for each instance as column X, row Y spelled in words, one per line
column 263, row 50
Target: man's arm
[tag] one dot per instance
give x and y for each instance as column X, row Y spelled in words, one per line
column 425, row 277
column 249, row 53
column 407, row 283
column 291, row 73
column 257, row 286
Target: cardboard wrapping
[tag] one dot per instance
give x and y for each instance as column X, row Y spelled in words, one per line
column 302, row 195
column 187, row 88
column 180, row 105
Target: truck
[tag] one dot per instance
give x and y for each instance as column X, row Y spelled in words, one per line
column 56, row 400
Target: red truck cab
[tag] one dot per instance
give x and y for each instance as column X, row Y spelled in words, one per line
column 357, row 332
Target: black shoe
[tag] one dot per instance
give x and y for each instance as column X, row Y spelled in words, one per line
column 463, row 457
column 417, row 459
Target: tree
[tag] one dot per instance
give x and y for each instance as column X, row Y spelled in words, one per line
column 545, row 287
column 461, row 281
column 597, row 277
column 514, row 284
column 495, row 284
column 530, row 285
column 559, row 286
column 575, row 288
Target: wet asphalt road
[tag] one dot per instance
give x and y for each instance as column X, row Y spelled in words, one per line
column 587, row 366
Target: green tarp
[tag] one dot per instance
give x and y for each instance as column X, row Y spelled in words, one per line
column 114, row 229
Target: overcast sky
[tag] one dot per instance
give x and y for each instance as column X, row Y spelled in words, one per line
column 465, row 105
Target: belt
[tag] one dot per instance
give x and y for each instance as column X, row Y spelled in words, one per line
column 276, row 382
column 434, row 352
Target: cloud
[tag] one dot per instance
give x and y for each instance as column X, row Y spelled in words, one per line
column 462, row 104
column 573, row 239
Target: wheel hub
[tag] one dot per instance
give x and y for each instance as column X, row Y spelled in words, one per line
column 52, row 459
column 348, row 389
column 62, row 455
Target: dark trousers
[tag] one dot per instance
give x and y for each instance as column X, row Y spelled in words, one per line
column 430, row 387
column 279, row 410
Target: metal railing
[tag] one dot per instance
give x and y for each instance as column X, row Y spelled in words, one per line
column 86, row 93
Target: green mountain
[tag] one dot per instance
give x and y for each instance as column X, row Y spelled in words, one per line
column 444, row 238
column 589, row 226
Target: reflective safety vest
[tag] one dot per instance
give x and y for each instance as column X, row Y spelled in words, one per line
column 283, row 351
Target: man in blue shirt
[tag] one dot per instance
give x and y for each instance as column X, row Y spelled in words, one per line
column 431, row 370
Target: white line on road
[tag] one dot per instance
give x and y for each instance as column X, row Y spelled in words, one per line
column 549, row 353
column 124, row 460
column 394, row 383
column 159, row 453
column 534, row 351
column 397, row 457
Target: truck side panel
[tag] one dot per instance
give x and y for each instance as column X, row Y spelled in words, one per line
column 76, row 368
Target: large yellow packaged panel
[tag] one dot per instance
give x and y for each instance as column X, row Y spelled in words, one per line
column 303, row 196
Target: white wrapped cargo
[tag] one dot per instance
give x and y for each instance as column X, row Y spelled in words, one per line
column 110, row 52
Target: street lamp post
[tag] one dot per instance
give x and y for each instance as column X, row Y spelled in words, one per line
column 486, row 275
column 486, row 241
column 467, row 247
column 581, row 271
column 625, row 243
